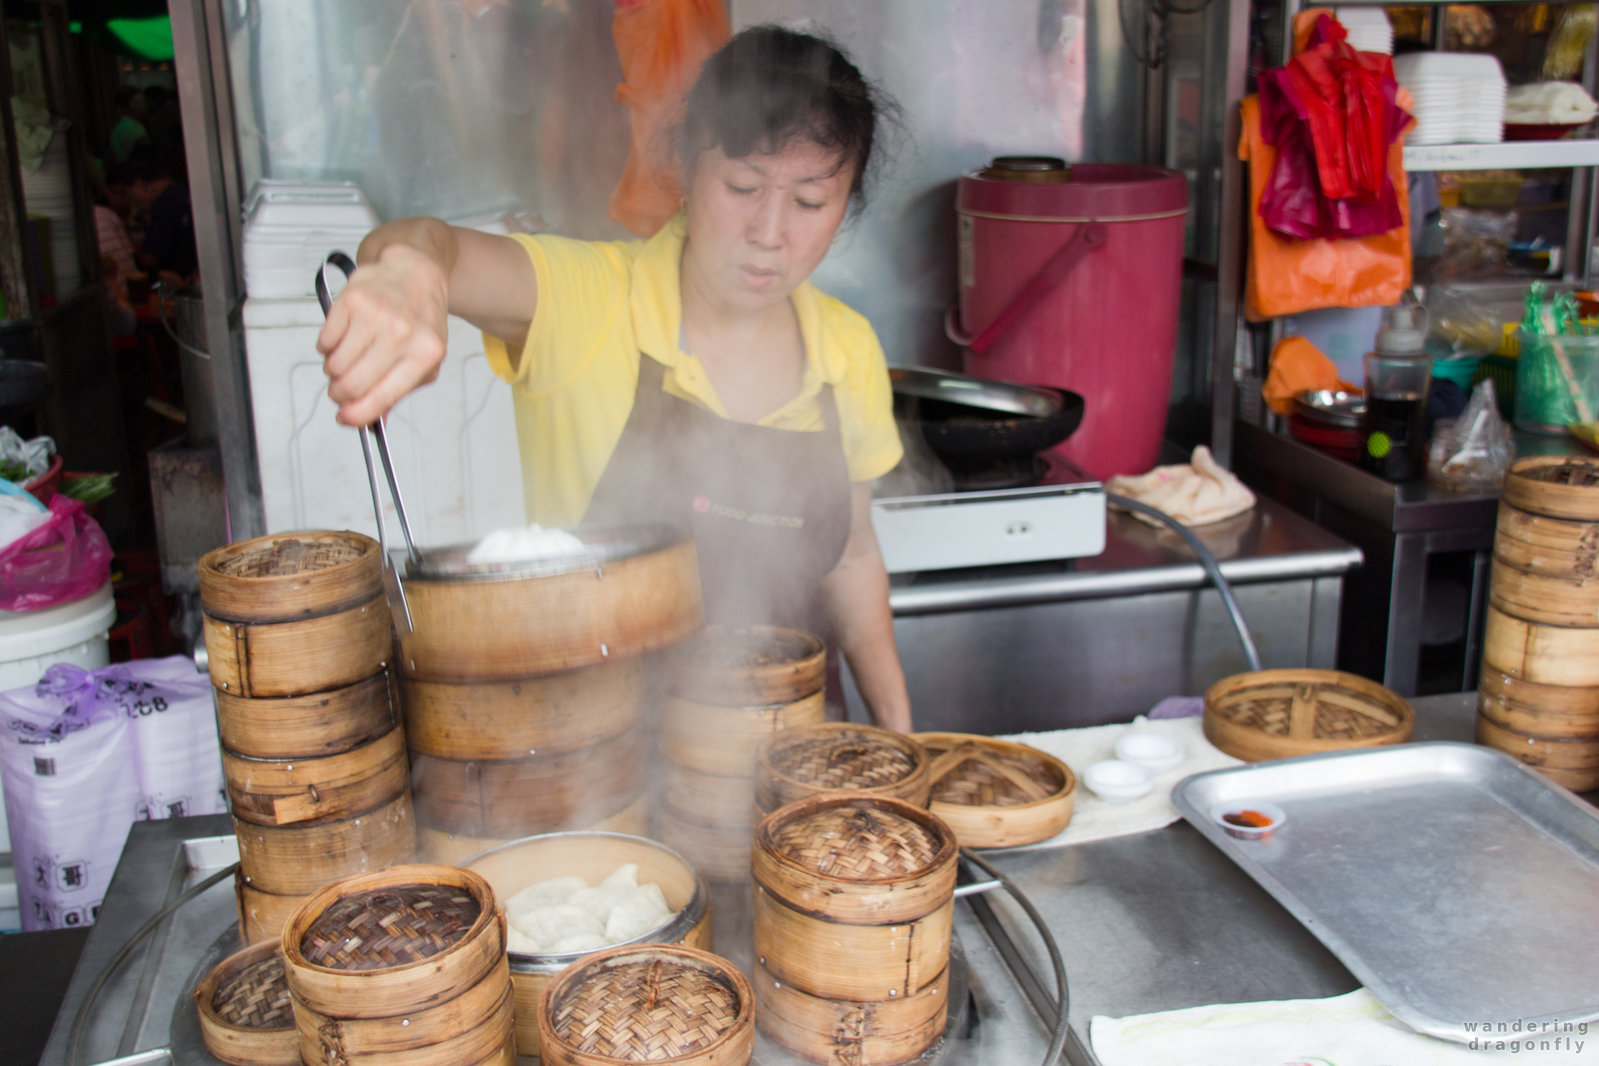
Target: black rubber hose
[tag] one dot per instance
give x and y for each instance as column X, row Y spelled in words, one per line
column 1207, row 560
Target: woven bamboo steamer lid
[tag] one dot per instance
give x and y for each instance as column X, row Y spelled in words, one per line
column 648, row 1003
column 1569, row 761
column 1562, row 656
column 299, row 859
column 305, row 791
column 748, row 666
column 854, row 896
column 591, row 856
column 457, row 849
column 1274, row 714
column 715, row 739
column 512, row 719
column 444, row 934
column 1545, row 569
column 261, row 914
column 467, row 1027
column 1538, row 710
column 828, row 757
column 1556, row 486
column 285, row 577
column 997, row 793
column 720, row 849
column 298, row 727
column 536, row 794
column 877, row 1033
column 245, row 1015
column 632, row 590
column 297, row 658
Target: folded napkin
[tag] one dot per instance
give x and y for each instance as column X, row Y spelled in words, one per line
column 1350, row 1030
column 1097, row 819
column 1194, row 493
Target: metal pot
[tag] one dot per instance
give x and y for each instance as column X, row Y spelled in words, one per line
column 970, row 422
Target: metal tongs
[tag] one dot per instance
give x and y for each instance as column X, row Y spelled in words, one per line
column 391, row 576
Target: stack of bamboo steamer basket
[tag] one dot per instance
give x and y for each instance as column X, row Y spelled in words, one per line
column 854, row 903
column 730, row 691
column 524, row 687
column 1539, row 695
column 298, row 637
column 403, row 966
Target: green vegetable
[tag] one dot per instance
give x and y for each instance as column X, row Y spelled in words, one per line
column 14, row 470
column 90, row 488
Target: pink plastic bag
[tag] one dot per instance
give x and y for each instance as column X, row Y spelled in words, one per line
column 65, row 559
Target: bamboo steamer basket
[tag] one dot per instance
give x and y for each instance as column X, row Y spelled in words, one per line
column 839, row 1032
column 307, row 791
column 302, row 727
column 1545, row 655
column 288, row 577
column 513, row 719
column 1545, row 569
column 1555, row 486
column 648, row 1003
column 997, row 793
column 245, row 1015
column 385, row 945
column 262, row 915
column 299, row 859
column 1569, row 761
column 457, row 849
column 708, row 798
column 274, row 659
column 831, row 757
column 536, row 794
column 591, row 856
column 724, row 740
column 749, row 666
column 854, row 896
column 721, row 850
column 1538, row 710
column 1274, row 714
column 630, row 591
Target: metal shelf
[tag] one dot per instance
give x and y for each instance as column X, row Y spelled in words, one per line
column 1509, row 155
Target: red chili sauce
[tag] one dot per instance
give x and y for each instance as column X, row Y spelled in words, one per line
column 1250, row 819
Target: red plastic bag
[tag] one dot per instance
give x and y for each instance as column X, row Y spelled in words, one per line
column 65, row 559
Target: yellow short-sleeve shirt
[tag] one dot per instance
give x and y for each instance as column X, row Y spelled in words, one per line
column 600, row 305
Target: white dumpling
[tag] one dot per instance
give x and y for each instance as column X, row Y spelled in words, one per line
column 544, row 894
column 637, row 913
column 579, row 942
column 522, row 945
column 598, row 901
column 622, row 879
column 548, row 926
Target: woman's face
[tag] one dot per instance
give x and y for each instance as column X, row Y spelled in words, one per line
column 758, row 225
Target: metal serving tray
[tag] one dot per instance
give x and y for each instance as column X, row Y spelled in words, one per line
column 1459, row 886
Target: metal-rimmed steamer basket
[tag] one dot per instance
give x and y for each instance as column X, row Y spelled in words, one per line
column 591, row 855
column 630, row 590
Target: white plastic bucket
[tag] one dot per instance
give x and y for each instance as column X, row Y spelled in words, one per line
column 32, row 641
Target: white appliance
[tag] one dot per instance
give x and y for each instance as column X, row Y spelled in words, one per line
column 945, row 531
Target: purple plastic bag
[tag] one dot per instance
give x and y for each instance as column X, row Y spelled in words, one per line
column 65, row 559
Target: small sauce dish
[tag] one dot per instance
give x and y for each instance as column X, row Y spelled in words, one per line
column 1118, row 782
column 1248, row 821
column 1155, row 752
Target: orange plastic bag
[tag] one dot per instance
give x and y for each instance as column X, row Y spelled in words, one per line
column 1298, row 366
column 662, row 45
column 1286, row 275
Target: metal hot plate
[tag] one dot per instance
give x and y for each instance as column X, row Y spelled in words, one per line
column 602, row 545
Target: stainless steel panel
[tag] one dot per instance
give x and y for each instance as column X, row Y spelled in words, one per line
column 1454, row 882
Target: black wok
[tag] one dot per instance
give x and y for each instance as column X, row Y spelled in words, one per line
column 970, row 422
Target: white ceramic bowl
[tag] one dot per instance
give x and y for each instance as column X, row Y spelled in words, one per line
column 1155, row 752
column 1118, row 782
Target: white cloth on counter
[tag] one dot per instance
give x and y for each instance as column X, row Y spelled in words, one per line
column 1195, row 493
column 1097, row 819
column 1350, row 1030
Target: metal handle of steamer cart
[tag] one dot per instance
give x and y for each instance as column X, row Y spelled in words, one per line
column 391, row 577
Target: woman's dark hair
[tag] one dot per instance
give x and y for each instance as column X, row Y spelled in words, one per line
column 769, row 87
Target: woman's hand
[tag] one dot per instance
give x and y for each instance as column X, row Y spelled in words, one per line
column 385, row 334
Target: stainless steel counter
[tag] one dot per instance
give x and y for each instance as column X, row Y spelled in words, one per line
column 1101, row 639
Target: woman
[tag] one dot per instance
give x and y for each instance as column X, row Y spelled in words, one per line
column 696, row 377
